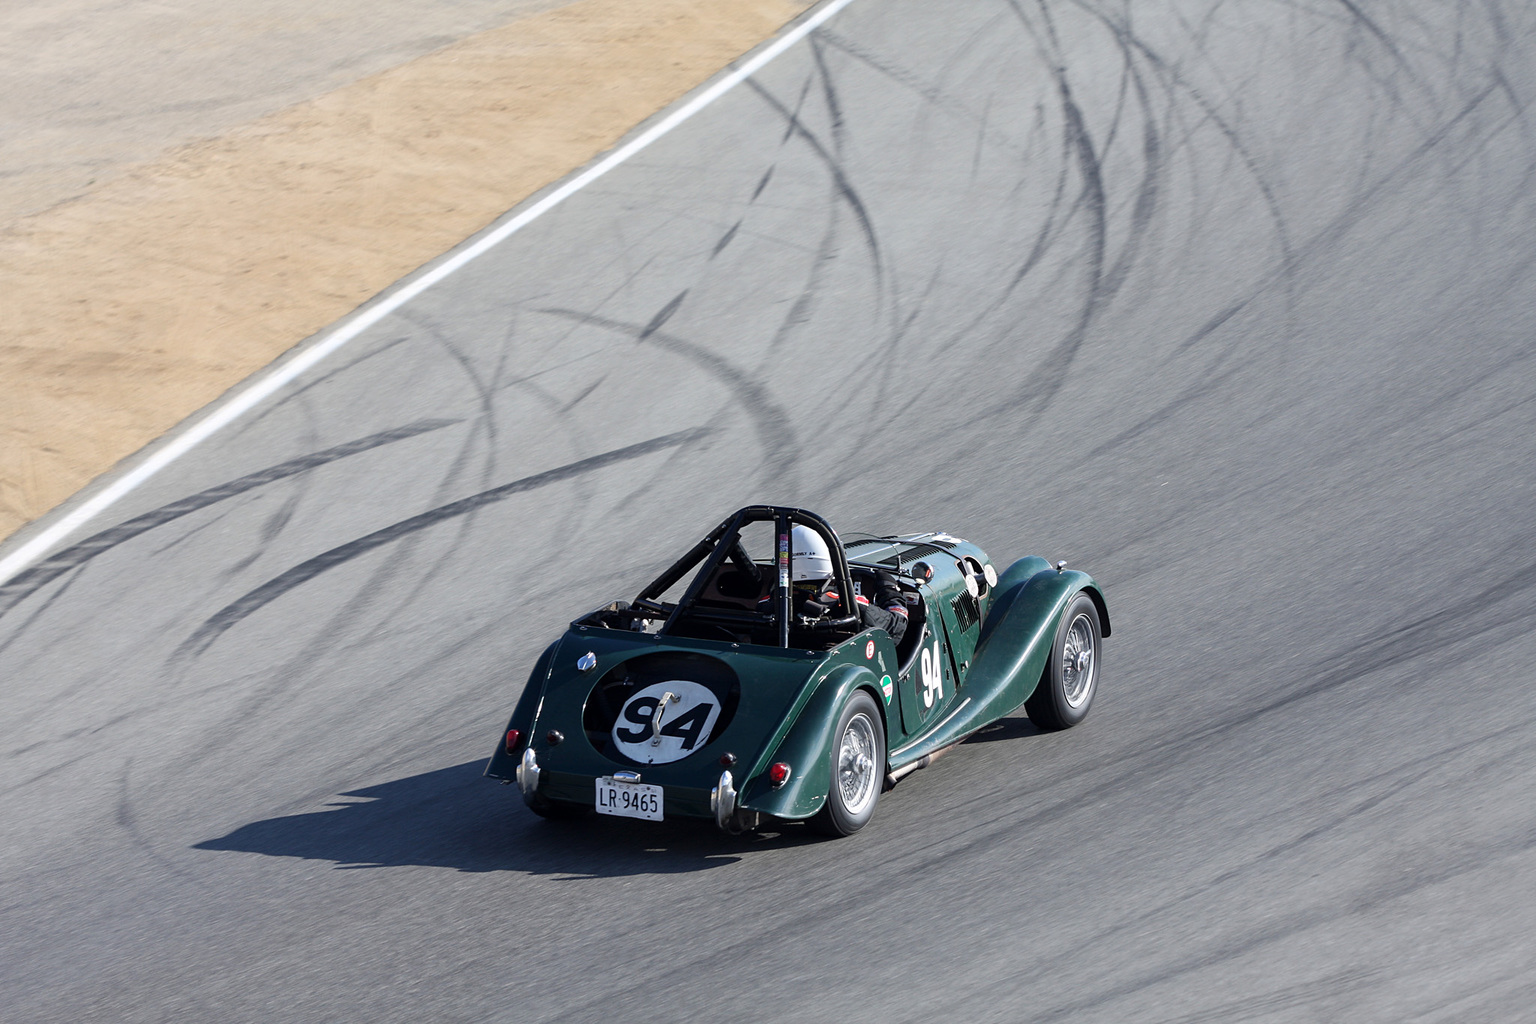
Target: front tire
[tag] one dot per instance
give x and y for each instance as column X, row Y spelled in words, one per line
column 1065, row 691
column 858, row 768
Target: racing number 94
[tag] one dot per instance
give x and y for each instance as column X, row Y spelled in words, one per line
column 932, row 675
column 687, row 726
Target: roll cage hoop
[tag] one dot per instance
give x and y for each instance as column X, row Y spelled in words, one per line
column 724, row 543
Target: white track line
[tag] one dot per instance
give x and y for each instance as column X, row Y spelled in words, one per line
column 257, row 389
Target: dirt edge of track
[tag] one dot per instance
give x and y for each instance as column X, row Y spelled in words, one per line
column 137, row 304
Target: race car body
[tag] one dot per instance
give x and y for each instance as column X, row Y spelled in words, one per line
column 729, row 704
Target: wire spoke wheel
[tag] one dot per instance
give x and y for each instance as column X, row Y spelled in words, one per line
column 1065, row 691
column 1077, row 662
column 857, row 767
column 856, row 775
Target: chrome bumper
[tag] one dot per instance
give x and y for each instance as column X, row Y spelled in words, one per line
column 722, row 800
column 528, row 775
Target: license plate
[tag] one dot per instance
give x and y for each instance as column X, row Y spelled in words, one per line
column 628, row 799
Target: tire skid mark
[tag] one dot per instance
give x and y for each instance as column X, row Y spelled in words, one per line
column 666, row 313
column 1335, row 671
column 1173, row 77
column 845, row 189
column 931, row 93
column 1382, row 474
column 802, row 310
column 1496, row 606
column 25, row 583
column 302, row 573
column 483, row 392
column 273, row 524
column 1209, row 384
column 762, row 182
column 382, row 622
column 1145, row 206
column 190, row 533
column 1368, row 23
column 725, row 239
column 299, row 392
column 379, row 623
column 1288, row 997
column 789, row 122
column 127, row 820
column 770, row 421
column 981, row 136
column 1294, row 256
column 451, row 477
column 1435, row 633
column 1356, row 209
column 885, row 354
column 1047, row 235
column 73, row 573
column 876, row 419
column 1050, row 374
column 583, row 395
column 365, row 594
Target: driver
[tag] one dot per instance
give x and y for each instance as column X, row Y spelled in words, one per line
column 811, row 572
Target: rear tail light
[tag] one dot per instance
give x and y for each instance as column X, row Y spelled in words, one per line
column 512, row 737
column 778, row 773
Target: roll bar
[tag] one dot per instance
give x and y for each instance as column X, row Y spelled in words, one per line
column 724, row 541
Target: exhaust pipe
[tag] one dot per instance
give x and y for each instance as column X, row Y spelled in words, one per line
column 893, row 777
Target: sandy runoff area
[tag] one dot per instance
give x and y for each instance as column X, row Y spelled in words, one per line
column 157, row 284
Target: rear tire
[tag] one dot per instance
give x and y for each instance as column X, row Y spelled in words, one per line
column 858, row 768
column 1065, row 691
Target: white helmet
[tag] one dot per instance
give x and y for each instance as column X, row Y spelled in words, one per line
column 811, row 559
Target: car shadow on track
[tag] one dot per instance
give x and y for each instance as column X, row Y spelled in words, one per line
column 1015, row 728
column 456, row 818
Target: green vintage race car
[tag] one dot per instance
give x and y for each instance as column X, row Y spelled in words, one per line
column 712, row 695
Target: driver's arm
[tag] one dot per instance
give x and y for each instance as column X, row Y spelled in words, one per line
column 888, row 611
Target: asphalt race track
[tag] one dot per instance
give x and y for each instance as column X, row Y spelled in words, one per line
column 1231, row 304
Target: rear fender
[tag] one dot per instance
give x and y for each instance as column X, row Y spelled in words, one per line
column 503, row 765
column 807, row 748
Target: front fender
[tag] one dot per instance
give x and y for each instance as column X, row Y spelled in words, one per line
column 807, row 749
column 503, row 765
column 1012, row 651
column 1021, row 626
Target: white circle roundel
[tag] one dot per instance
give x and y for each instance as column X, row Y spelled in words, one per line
column 666, row 721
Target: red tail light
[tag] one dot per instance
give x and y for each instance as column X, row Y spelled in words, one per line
column 512, row 737
column 778, row 773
